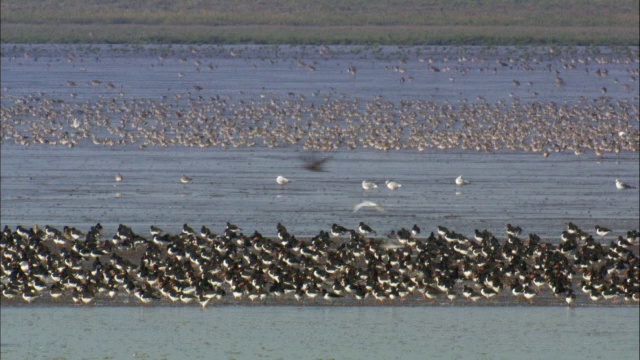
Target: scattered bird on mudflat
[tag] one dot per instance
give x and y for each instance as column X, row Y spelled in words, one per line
column 368, row 185
column 460, row 181
column 620, row 185
column 281, row 180
column 119, row 178
column 392, row 185
column 185, row 179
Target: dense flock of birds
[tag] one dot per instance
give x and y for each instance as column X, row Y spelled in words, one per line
column 337, row 266
column 600, row 127
column 329, row 122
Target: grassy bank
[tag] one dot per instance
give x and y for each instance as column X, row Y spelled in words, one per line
column 487, row 22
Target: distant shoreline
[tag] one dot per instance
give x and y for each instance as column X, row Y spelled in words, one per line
column 306, row 22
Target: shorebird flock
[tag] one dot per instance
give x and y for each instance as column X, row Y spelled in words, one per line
column 337, row 266
column 332, row 121
column 327, row 124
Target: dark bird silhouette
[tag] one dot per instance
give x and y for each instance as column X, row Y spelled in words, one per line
column 314, row 162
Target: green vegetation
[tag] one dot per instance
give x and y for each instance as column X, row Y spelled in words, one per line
column 481, row 22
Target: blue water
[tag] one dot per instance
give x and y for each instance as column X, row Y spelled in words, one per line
column 60, row 186
column 320, row 333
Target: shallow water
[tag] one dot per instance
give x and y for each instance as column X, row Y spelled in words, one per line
column 395, row 73
column 320, row 333
column 60, row 186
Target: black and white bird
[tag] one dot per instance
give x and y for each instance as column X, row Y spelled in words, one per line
column 154, row 230
column 602, row 231
column 337, row 230
column 187, row 230
column 415, row 230
column 232, row 228
column 572, row 228
column 282, row 231
column 365, row 229
column 513, row 230
column 403, row 235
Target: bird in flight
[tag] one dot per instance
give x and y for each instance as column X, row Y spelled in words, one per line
column 314, row 162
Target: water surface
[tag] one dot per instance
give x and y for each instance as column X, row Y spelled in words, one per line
column 320, row 333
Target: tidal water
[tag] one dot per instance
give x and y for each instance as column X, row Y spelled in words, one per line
column 320, row 333
column 60, row 186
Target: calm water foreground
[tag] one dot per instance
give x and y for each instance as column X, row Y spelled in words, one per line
column 320, row 333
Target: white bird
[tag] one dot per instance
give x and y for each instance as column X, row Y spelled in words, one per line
column 368, row 204
column 185, row 179
column 622, row 185
column 460, row 181
column 392, row 185
column 119, row 177
column 281, row 180
column 368, row 185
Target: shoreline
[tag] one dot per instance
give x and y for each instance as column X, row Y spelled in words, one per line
column 307, row 22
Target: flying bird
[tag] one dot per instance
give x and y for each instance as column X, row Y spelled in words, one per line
column 314, row 163
column 369, row 205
